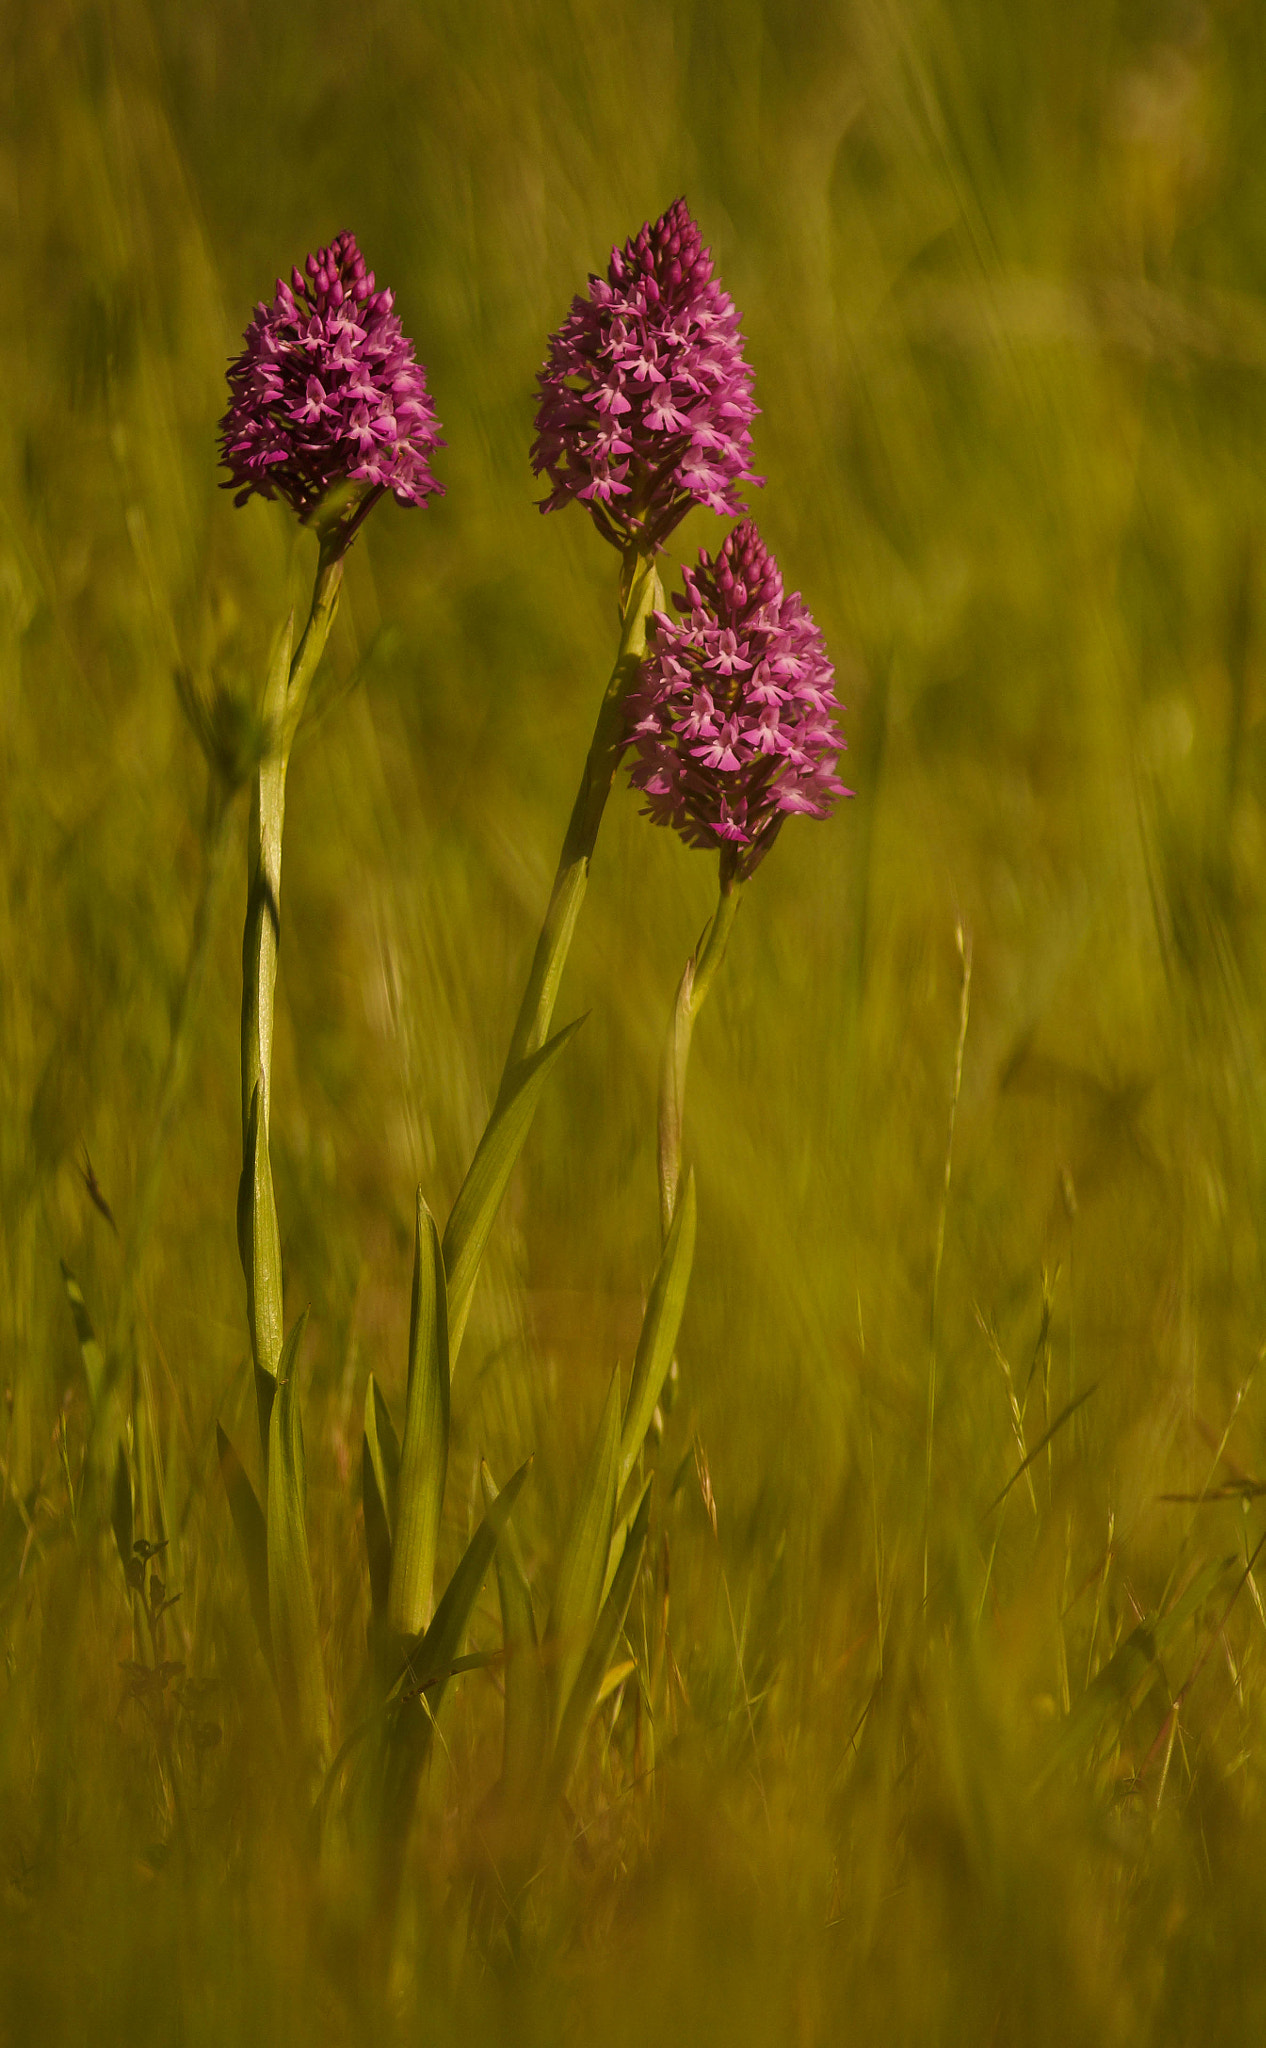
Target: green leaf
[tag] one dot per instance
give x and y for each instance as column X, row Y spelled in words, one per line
column 619, row 1531
column 384, row 1448
column 660, row 1326
column 479, row 1196
column 252, row 1537
column 583, row 1565
column 259, row 1243
column 526, row 1693
column 424, row 1454
column 593, row 1667
column 90, row 1351
column 380, row 1471
column 431, row 1660
column 265, row 1395
column 1113, row 1688
column 291, row 1599
column 616, row 1675
column 121, row 1508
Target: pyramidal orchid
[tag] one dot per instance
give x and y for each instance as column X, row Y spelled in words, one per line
column 733, row 727
column 328, row 393
column 645, row 397
column 645, row 410
column 734, row 720
column 328, row 410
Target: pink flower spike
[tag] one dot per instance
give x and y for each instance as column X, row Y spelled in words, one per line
column 322, row 360
column 733, row 721
column 656, row 343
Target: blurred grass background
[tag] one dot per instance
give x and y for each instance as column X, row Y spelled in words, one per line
column 1000, row 272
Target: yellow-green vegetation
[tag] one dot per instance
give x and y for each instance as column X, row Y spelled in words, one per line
column 939, row 1708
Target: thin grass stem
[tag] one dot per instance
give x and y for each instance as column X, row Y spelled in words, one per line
column 963, row 939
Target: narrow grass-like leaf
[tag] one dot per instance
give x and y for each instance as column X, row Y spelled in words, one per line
column 1113, row 1688
column 479, row 1196
column 380, row 1471
column 526, row 1694
column 90, row 1351
column 583, row 1566
column 427, row 1670
column 377, row 1535
column 424, row 1453
column 432, row 1659
column 584, row 1694
column 619, row 1530
column 384, row 1448
column 291, row 1600
column 121, row 1510
column 616, row 1675
column 660, row 1326
column 259, row 1242
column 1065, row 1415
column 252, row 1537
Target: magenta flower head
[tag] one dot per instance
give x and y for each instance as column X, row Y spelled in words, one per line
column 734, row 717
column 328, row 403
column 645, row 399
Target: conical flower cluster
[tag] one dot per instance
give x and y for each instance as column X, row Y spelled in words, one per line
column 328, row 392
column 645, row 398
column 733, row 720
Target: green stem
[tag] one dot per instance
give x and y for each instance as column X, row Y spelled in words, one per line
column 283, row 707
column 692, row 992
column 258, row 1237
column 641, row 594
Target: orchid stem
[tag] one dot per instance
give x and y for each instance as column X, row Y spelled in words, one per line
column 692, row 992
column 641, row 594
column 258, row 1237
column 283, row 709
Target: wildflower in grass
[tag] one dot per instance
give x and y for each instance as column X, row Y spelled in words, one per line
column 734, row 718
column 328, row 410
column 645, row 399
column 327, row 397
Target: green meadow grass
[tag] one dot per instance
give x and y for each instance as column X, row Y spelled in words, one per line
column 956, row 1754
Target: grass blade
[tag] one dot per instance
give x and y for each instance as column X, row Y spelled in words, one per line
column 583, row 1566
column 526, row 1694
column 480, row 1194
column 660, row 1326
column 1065, row 1415
column 291, row 1599
column 380, row 1471
column 384, row 1448
column 121, row 1518
column 432, row 1659
column 252, row 1537
column 424, row 1455
column 427, row 1670
column 584, row 1694
column 1121, row 1676
column 90, row 1351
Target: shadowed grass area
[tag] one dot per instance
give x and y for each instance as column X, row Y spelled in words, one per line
column 964, row 1729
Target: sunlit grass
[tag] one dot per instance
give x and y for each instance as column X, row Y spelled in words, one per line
column 999, row 271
